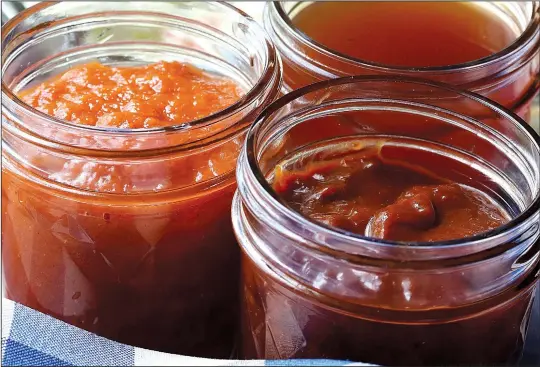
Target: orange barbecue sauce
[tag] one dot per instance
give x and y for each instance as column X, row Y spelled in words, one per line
column 155, row 95
column 159, row 272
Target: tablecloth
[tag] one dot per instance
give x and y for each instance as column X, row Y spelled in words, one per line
column 30, row 338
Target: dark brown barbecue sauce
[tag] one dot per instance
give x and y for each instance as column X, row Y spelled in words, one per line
column 363, row 192
column 392, row 189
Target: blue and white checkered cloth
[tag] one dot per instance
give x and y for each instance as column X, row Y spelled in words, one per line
column 30, row 338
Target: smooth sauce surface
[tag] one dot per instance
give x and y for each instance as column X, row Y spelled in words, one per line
column 407, row 34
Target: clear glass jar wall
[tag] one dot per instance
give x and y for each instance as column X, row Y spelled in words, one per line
column 312, row 291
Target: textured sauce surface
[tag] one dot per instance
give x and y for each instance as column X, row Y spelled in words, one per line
column 148, row 96
column 363, row 193
column 414, row 34
column 154, row 95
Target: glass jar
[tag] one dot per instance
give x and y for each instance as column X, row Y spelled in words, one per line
column 510, row 77
column 313, row 291
column 153, row 263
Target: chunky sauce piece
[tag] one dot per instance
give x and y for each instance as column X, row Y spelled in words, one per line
column 413, row 34
column 155, row 272
column 363, row 193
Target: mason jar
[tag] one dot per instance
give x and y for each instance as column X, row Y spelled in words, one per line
column 150, row 260
column 509, row 77
column 311, row 290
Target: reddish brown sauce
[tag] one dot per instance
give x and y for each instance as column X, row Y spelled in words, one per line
column 382, row 311
column 414, row 34
column 365, row 194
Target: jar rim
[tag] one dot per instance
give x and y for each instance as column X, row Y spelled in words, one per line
column 265, row 188
column 519, row 43
column 271, row 66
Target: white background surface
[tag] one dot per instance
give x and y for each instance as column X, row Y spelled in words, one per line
column 253, row 8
